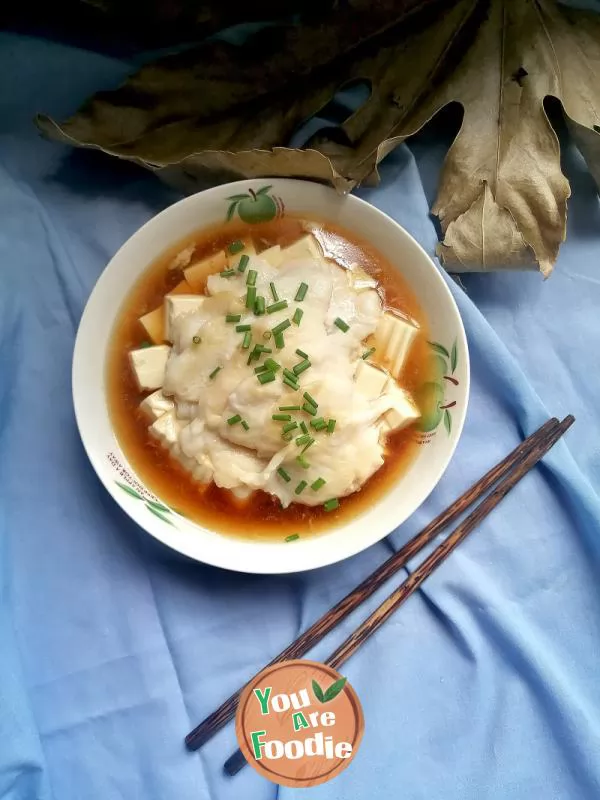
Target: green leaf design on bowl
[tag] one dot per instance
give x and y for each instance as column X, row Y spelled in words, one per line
column 448, row 421
column 158, row 514
column 129, row 490
column 439, row 348
column 453, row 357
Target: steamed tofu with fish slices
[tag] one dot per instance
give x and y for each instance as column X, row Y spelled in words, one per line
column 267, row 382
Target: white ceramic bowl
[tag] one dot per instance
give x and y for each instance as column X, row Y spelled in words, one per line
column 118, row 476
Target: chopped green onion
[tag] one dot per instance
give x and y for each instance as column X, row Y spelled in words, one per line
column 316, row 423
column 260, row 348
column 301, row 487
column 283, row 474
column 289, row 427
column 303, row 427
column 301, row 293
column 368, row 353
column 245, row 425
column 302, row 440
column 288, row 408
column 299, row 368
column 298, row 314
column 303, row 462
column 227, row 273
column 290, row 383
column 279, row 341
column 309, row 409
column 235, row 247
column 330, row 505
column 243, row 328
column 260, row 369
column 301, row 353
column 146, row 344
column 246, row 340
column 290, row 375
column 292, row 537
column 318, row 484
column 233, row 317
column 254, row 355
column 259, row 306
column 278, row 306
column 234, row 420
column 331, row 426
column 281, row 327
column 272, row 365
column 243, row 263
column 266, row 377
column 310, row 399
column 251, row 277
column 215, row 372
column 267, row 335
column 281, row 417
column 343, row 326
column 287, row 437
column 196, row 339
column 308, row 444
column 250, row 297
column 274, row 291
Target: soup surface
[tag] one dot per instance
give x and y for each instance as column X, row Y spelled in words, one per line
column 261, row 515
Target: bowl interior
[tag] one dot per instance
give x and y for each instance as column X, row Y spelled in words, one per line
column 120, row 479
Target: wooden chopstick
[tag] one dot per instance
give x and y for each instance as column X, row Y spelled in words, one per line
column 374, row 621
column 215, row 721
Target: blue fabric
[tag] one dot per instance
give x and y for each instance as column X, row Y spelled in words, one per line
column 485, row 685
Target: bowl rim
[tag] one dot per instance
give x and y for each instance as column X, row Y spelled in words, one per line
column 184, row 544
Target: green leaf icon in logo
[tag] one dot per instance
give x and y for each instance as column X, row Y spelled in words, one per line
column 331, row 693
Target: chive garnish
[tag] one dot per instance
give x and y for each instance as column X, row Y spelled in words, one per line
column 292, row 537
column 235, row 247
column 297, row 316
column 309, row 409
column 368, row 353
column 261, row 348
column 303, row 462
column 279, row 341
column 281, row 417
column 316, row 423
column 318, row 484
column 259, row 306
column 288, row 408
column 282, row 325
column 260, row 369
column 299, row 368
column 290, row 383
column 310, row 443
column 301, row 293
column 301, row 487
column 330, row 505
column 287, row 437
column 289, row 427
column 145, row 344
column 331, row 426
column 303, row 427
column 243, row 263
column 234, row 420
column 245, row 425
column 196, row 339
column 339, row 323
column 266, row 377
column 310, row 399
column 243, row 328
column 251, row 277
column 215, row 372
column 233, row 317
column 250, row 297
column 301, row 353
column 272, row 365
column 290, row 375
column 302, row 440
column 278, row 306
column 283, row 474
column 227, row 273
column 274, row 291
column 246, row 340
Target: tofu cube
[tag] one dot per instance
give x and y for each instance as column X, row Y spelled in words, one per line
column 370, row 380
column 156, row 404
column 306, row 247
column 394, row 337
column 403, row 411
column 154, row 321
column 148, row 364
column 176, row 305
column 166, row 429
column 272, row 256
column 197, row 273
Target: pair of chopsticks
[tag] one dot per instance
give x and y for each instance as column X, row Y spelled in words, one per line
column 500, row 479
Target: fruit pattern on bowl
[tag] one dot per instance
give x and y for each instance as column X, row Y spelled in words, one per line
column 431, row 397
column 255, row 206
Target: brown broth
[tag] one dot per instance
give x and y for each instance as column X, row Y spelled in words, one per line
column 261, row 516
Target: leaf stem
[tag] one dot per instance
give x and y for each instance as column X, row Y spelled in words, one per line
column 451, row 379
